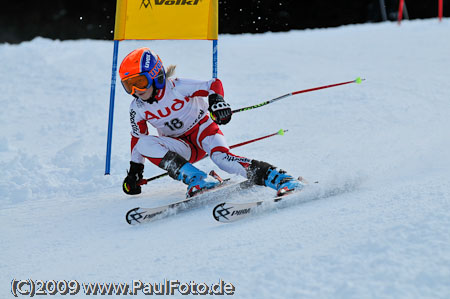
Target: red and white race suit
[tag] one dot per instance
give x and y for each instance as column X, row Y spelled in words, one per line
column 180, row 115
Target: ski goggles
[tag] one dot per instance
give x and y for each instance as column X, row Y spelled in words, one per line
column 141, row 82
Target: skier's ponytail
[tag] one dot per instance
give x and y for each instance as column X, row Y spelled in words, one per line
column 170, row 70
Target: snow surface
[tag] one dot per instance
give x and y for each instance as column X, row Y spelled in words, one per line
column 382, row 149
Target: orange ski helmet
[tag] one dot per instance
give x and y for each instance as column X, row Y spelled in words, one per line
column 141, row 69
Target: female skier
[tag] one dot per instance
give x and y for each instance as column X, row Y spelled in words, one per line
column 177, row 108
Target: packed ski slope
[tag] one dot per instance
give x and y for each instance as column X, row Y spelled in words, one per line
column 380, row 151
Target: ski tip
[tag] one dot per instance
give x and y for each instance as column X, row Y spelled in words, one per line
column 304, row 181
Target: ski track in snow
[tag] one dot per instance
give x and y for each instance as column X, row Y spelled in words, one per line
column 376, row 226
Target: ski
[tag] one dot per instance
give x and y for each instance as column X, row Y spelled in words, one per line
column 142, row 215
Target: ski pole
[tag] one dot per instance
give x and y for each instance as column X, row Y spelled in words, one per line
column 280, row 132
column 357, row 80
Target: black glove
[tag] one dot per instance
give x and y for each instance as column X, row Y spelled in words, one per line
column 219, row 110
column 130, row 183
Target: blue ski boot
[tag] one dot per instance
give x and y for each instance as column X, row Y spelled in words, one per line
column 282, row 182
column 264, row 174
column 181, row 170
column 196, row 179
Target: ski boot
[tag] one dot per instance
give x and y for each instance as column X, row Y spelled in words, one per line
column 180, row 169
column 264, row 174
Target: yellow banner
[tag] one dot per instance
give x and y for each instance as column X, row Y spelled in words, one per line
column 167, row 19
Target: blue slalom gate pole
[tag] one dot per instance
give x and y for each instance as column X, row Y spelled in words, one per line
column 215, row 48
column 111, row 108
